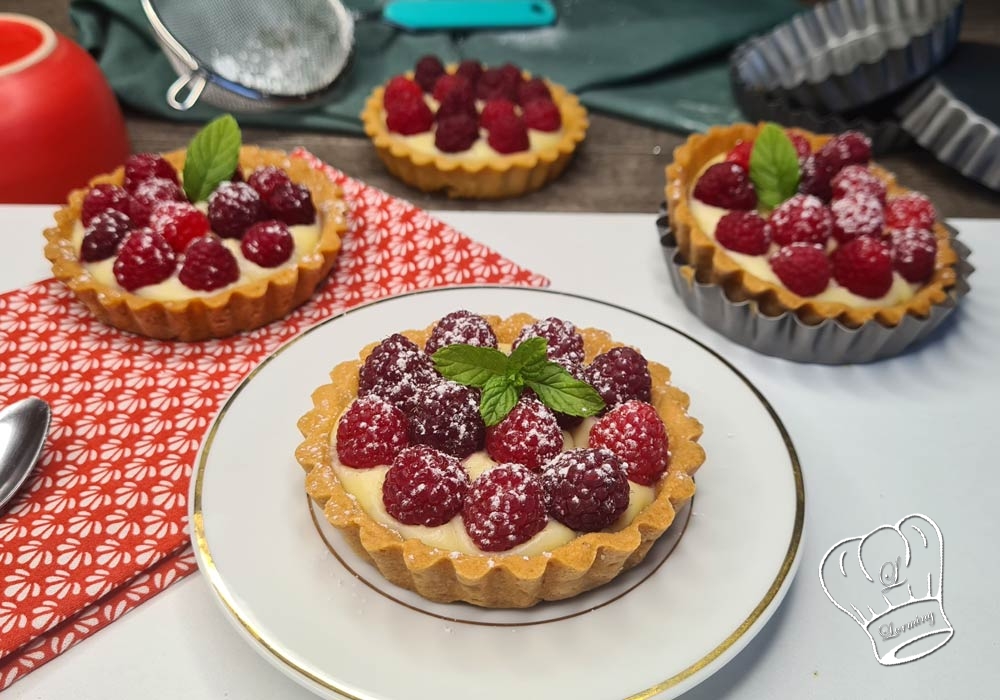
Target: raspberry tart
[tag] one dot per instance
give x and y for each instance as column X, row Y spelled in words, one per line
column 474, row 131
column 460, row 487
column 175, row 249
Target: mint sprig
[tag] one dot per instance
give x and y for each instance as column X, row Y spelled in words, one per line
column 502, row 378
column 774, row 166
column 212, row 157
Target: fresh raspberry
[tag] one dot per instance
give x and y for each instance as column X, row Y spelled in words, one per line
column 621, row 374
column 864, row 266
column 456, row 133
column 586, row 489
column 744, row 232
column 446, row 83
column 816, row 173
column 458, row 99
column 741, row 154
column 291, row 203
column 528, row 435
column 232, row 208
column 401, row 89
column 104, row 234
column 462, row 327
column 267, row 178
column 101, row 198
column 531, row 90
column 427, row 72
column 913, row 254
column 802, row 148
column 145, row 258
column 542, row 115
column 857, row 214
column 147, row 166
column 850, row 147
column 445, row 415
column 513, row 75
column 178, row 222
column 493, row 84
column 237, row 175
column 410, row 117
column 911, row 210
column 208, row 265
column 635, row 432
column 563, row 340
column 470, row 70
column 857, row 178
column 148, row 194
column 424, row 487
column 801, row 219
column 726, row 185
column 504, row 508
column 495, row 110
column 803, row 268
column 268, row 243
column 370, row 433
column 395, row 369
column 508, row 134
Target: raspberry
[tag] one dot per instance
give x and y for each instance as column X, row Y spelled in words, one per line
column 103, row 235
column 101, row 198
column 424, row 487
column 232, row 208
column 148, row 194
column 850, row 147
column 395, row 369
column 401, row 89
column 864, row 266
column 563, row 340
column 513, row 75
column 237, row 175
column 508, row 134
column 911, row 210
column 494, row 84
column 459, row 99
column 291, row 203
column 913, row 254
column 145, row 258
column 802, row 148
column 410, row 117
column 816, row 173
column 427, row 72
column 803, row 268
column 857, row 214
column 741, row 154
column 267, row 243
column 208, row 265
column 857, row 178
column 370, row 433
column 178, row 222
column 504, row 508
column 456, row 133
column 528, row 435
column 461, row 327
column 801, row 219
column 726, row 185
column 542, row 115
column 619, row 375
column 494, row 110
column 445, row 415
column 531, row 90
column 744, row 232
column 446, row 83
column 470, row 70
column 147, row 166
column 266, row 178
column 586, row 489
column 635, row 432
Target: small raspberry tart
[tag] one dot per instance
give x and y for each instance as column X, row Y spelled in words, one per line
column 516, row 512
column 474, row 131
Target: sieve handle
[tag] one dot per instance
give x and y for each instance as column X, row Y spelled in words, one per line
column 194, row 84
column 417, row 15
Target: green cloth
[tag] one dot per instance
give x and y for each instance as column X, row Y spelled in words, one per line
column 657, row 61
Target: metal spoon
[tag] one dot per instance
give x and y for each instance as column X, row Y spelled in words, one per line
column 23, row 427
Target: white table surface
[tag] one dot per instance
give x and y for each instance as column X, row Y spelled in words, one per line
column 912, row 434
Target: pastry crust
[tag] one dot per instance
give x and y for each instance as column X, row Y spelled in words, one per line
column 231, row 311
column 710, row 263
column 497, row 178
column 495, row 580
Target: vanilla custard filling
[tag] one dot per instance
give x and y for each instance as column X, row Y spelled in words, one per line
column 365, row 486
column 707, row 218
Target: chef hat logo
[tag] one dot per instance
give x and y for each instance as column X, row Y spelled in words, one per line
column 890, row 582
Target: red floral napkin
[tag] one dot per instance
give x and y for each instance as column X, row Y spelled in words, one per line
column 102, row 525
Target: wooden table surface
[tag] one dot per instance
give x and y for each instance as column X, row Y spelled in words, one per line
column 619, row 168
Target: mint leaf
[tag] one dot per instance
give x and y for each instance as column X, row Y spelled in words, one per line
column 499, row 396
column 212, row 157
column 774, row 166
column 469, row 365
column 561, row 391
column 531, row 352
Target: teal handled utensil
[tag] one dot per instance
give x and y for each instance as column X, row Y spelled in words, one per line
column 257, row 55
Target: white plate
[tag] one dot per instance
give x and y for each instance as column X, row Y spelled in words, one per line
column 335, row 626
